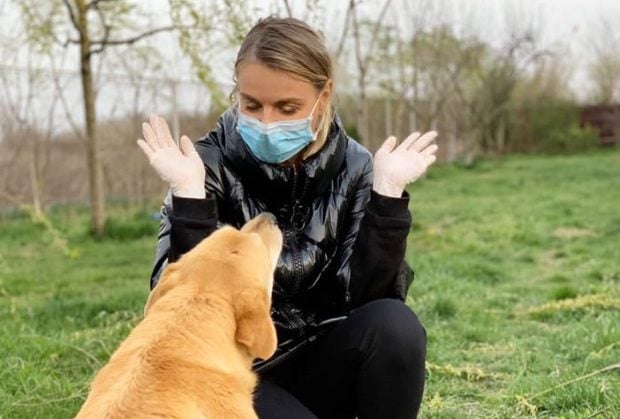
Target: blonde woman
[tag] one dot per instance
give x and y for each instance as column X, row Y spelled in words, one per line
column 348, row 345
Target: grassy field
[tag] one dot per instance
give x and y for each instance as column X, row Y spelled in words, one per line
column 518, row 286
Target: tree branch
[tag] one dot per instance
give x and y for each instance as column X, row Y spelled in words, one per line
column 356, row 37
column 106, row 34
column 345, row 29
column 94, row 4
column 72, row 16
column 288, row 8
column 375, row 30
column 128, row 41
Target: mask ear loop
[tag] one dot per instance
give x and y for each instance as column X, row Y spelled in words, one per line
column 315, row 103
column 314, row 134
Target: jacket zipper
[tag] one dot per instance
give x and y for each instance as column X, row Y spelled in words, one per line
column 297, row 263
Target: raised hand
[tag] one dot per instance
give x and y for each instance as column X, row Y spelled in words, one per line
column 181, row 167
column 395, row 166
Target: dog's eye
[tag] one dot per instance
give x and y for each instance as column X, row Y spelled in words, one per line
column 235, row 252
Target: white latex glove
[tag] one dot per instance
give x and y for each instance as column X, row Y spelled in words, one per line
column 397, row 166
column 182, row 168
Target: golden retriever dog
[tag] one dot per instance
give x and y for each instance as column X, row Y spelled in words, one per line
column 204, row 324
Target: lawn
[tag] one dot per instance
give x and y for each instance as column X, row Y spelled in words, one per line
column 517, row 283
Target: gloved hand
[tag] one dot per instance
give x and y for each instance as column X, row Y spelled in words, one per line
column 397, row 166
column 182, row 168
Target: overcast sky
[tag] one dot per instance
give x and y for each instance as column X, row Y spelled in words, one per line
column 563, row 25
column 572, row 23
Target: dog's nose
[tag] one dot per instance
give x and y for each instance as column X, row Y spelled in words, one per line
column 269, row 217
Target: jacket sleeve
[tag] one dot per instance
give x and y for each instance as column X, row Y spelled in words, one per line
column 378, row 240
column 186, row 221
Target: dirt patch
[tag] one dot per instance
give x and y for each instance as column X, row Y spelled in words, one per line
column 572, row 232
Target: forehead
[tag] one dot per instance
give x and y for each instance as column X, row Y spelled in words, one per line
column 268, row 85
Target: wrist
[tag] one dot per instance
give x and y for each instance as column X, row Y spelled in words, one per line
column 385, row 187
column 195, row 192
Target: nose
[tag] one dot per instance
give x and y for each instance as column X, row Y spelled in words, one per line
column 268, row 115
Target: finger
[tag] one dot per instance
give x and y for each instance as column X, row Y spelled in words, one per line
column 149, row 136
column 421, row 143
column 187, row 147
column 431, row 149
column 159, row 139
column 410, row 139
column 164, row 132
column 148, row 150
column 429, row 159
column 388, row 145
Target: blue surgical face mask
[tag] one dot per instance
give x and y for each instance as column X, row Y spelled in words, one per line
column 278, row 141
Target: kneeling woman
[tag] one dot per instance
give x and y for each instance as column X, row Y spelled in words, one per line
column 348, row 344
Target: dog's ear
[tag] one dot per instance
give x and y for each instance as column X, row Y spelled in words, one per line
column 169, row 279
column 255, row 329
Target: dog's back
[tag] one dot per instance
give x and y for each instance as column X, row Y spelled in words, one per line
column 174, row 364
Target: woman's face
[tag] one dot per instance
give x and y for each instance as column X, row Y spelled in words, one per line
column 272, row 95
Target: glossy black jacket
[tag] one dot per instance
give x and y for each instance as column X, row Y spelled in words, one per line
column 344, row 245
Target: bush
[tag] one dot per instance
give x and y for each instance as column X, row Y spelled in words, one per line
column 572, row 138
column 352, row 132
column 555, row 127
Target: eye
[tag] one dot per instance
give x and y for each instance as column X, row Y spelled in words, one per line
column 252, row 106
column 288, row 110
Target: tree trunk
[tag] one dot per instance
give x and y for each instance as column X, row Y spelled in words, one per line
column 389, row 130
column 35, row 178
column 362, row 113
column 95, row 171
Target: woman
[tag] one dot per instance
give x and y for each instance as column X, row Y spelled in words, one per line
column 348, row 345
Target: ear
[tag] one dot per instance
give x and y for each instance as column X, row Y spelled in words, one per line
column 326, row 94
column 255, row 329
column 169, row 279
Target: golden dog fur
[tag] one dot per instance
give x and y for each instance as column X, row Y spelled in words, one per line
column 204, row 324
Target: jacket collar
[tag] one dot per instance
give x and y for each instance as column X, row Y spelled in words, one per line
column 276, row 184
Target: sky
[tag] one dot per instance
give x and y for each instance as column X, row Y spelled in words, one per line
column 572, row 23
column 563, row 25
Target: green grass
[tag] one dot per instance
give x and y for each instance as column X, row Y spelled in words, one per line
column 518, row 286
column 66, row 301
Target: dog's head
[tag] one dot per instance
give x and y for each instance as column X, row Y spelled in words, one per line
column 237, row 266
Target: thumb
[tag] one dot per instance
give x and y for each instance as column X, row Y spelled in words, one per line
column 187, row 147
column 388, row 145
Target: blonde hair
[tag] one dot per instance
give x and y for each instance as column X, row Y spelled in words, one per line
column 290, row 45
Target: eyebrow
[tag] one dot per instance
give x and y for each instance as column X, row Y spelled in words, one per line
column 284, row 101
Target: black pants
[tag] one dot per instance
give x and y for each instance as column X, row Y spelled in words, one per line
column 370, row 365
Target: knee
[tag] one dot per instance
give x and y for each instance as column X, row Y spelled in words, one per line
column 395, row 330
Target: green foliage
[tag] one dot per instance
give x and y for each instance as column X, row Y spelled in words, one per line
column 203, row 37
column 353, row 132
column 571, row 138
column 41, row 22
column 553, row 126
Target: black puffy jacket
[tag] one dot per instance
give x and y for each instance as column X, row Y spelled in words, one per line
column 344, row 245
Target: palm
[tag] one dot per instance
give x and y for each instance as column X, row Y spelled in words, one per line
column 395, row 166
column 181, row 167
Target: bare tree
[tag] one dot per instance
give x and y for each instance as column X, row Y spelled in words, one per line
column 93, row 26
column 363, row 59
column 27, row 122
column 604, row 69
